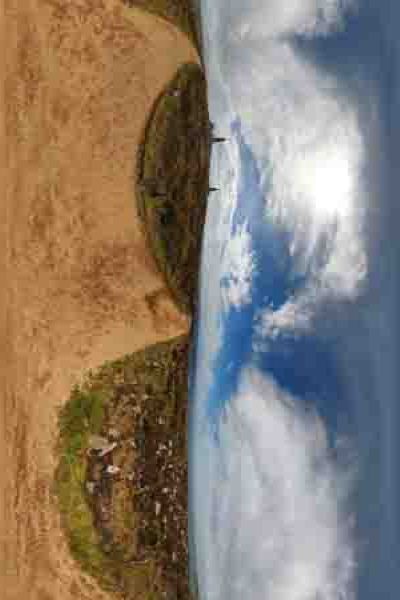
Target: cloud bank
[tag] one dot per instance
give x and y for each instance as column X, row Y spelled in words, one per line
column 276, row 523
column 305, row 133
column 238, row 267
column 273, row 518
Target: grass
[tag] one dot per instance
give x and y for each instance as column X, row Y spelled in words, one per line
column 172, row 175
column 144, row 397
column 81, row 417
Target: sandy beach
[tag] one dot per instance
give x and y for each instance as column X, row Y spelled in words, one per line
column 78, row 284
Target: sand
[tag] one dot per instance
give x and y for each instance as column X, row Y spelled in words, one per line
column 76, row 275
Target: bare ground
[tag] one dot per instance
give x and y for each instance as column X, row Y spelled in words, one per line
column 76, row 276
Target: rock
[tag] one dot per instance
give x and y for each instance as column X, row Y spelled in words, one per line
column 107, row 450
column 112, row 470
column 100, row 446
column 97, row 442
column 90, row 487
column 113, row 434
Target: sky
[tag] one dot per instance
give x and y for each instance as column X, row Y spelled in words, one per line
column 294, row 478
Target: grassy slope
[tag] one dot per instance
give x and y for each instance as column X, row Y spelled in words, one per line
column 81, row 416
column 152, row 564
column 84, row 415
column 143, row 396
column 172, row 174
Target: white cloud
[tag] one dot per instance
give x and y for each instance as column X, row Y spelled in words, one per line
column 304, row 130
column 294, row 317
column 219, row 258
column 238, row 268
column 306, row 17
column 340, row 276
column 271, row 516
column 272, row 505
column 272, row 520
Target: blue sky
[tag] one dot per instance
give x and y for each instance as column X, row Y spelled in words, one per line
column 295, row 382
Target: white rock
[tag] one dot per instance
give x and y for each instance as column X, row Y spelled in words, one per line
column 107, row 449
column 97, row 442
column 114, row 434
column 112, row 470
column 90, row 487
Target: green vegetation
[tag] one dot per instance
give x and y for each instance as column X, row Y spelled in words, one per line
column 172, row 175
column 129, row 530
column 182, row 13
column 82, row 416
column 122, row 475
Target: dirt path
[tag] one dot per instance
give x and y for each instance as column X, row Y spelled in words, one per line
column 75, row 273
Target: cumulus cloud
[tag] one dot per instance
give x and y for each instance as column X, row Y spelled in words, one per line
column 238, row 267
column 294, row 317
column 339, row 275
column 304, row 131
column 306, row 17
column 225, row 282
column 272, row 513
column 274, row 519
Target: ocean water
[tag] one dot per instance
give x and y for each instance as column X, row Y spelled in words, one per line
column 294, row 486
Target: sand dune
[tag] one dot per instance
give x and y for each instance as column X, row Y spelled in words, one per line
column 80, row 78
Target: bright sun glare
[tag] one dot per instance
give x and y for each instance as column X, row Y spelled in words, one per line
column 325, row 183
